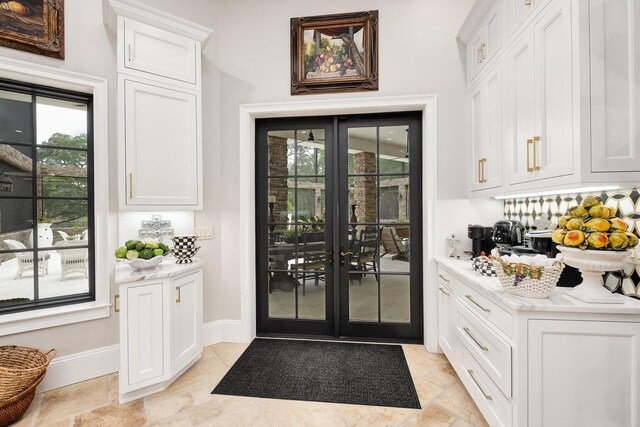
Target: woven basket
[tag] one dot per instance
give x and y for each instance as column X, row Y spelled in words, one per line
column 15, row 407
column 528, row 281
column 20, row 367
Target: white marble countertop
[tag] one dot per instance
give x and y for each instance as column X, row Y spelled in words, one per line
column 167, row 268
column 559, row 301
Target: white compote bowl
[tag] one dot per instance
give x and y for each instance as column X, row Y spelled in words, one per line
column 593, row 264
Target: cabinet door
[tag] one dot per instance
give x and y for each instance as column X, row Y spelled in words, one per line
column 492, row 151
column 520, row 109
column 159, row 52
column 477, row 51
column 145, row 334
column 518, row 11
column 446, row 330
column 553, row 142
column 493, row 22
column 161, row 137
column 478, row 135
column 187, row 319
column 583, row 373
column 615, row 85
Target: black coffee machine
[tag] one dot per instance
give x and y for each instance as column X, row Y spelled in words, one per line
column 481, row 239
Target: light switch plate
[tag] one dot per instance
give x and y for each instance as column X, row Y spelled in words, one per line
column 204, row 233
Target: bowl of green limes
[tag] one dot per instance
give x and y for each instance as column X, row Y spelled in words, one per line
column 142, row 254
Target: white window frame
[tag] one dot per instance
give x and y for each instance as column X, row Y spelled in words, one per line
column 30, row 320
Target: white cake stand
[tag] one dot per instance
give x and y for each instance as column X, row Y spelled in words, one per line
column 593, row 264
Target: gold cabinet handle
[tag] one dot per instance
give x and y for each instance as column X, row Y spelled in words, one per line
column 470, row 298
column 443, row 291
column 116, row 299
column 536, row 139
column 178, row 296
column 529, row 167
column 468, row 332
column 486, row 396
column 131, row 186
column 480, row 171
column 482, row 162
column 483, row 52
column 528, row 2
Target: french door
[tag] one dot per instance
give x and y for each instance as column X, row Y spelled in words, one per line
column 338, row 236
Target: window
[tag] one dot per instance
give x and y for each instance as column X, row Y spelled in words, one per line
column 47, row 239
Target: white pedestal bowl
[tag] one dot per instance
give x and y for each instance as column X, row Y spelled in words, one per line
column 593, row 264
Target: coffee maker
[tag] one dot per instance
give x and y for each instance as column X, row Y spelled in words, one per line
column 480, row 239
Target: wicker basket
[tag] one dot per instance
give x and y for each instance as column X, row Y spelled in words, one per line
column 20, row 367
column 15, row 407
column 526, row 280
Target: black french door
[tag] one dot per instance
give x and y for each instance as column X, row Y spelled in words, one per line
column 338, row 234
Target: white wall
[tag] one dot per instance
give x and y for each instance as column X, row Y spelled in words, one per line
column 247, row 61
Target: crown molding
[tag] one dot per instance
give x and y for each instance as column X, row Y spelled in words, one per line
column 474, row 19
column 152, row 16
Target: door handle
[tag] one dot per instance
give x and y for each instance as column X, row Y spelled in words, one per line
column 343, row 255
column 536, row 139
column 116, row 307
column 529, row 167
column 178, row 299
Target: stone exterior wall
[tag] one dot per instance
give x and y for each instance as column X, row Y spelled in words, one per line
column 278, row 187
column 365, row 192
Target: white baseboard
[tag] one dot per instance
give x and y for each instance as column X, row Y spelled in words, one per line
column 222, row 331
column 79, row 367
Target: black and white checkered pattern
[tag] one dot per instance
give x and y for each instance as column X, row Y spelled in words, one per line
column 184, row 242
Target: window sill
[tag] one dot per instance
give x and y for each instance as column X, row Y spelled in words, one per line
column 49, row 317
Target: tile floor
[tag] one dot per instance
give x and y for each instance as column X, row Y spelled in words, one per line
column 188, row 402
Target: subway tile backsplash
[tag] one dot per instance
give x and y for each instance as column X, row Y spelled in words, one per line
column 527, row 210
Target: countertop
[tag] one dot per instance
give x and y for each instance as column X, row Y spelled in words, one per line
column 167, row 268
column 559, row 301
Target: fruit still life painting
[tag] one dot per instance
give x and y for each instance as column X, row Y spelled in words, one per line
column 35, row 26
column 592, row 225
column 333, row 52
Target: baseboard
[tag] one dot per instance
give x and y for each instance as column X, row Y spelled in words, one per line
column 222, row 331
column 79, row 367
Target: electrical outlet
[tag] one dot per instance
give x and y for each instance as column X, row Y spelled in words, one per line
column 204, row 233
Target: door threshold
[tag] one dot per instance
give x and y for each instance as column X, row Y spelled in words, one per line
column 363, row 340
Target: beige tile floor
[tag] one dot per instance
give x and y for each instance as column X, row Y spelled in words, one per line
column 188, row 402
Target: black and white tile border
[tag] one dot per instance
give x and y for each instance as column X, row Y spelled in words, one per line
column 527, row 210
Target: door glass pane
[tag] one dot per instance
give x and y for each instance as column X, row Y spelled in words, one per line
column 363, row 194
column 16, row 166
column 395, row 248
column 363, row 297
column 394, row 199
column 310, row 207
column 281, row 153
column 311, row 153
column 362, row 150
column 394, row 149
column 395, row 298
column 15, row 117
column 62, row 123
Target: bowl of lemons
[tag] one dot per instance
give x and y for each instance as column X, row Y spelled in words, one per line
column 142, row 254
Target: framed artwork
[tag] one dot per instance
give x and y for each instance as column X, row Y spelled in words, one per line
column 334, row 53
column 35, row 26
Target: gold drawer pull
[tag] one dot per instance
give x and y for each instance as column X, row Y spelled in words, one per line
column 470, row 298
column 178, row 297
column 116, row 307
column 529, row 167
column 536, row 139
column 486, row 396
column 528, row 2
column 483, row 348
column 444, row 292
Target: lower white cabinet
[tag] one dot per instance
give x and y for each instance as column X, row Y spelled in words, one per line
column 562, row 363
column 160, row 330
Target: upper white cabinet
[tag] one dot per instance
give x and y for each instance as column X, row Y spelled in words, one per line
column 569, row 112
column 614, row 53
column 159, row 109
column 162, row 53
column 161, row 133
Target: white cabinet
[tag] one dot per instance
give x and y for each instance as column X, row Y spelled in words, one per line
column 161, row 145
column 614, row 54
column 583, row 373
column 486, row 42
column 518, row 11
column 159, row 109
column 152, row 50
column 446, row 328
column 486, row 116
column 187, row 319
column 160, row 327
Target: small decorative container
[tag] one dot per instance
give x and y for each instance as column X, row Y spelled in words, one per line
column 143, row 264
column 528, row 280
column 484, row 266
column 184, row 256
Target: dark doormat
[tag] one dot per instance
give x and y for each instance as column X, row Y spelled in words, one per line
column 364, row 374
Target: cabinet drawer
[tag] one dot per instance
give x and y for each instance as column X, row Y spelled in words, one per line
column 159, row 52
column 491, row 351
column 486, row 308
column 495, row 407
column 444, row 278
